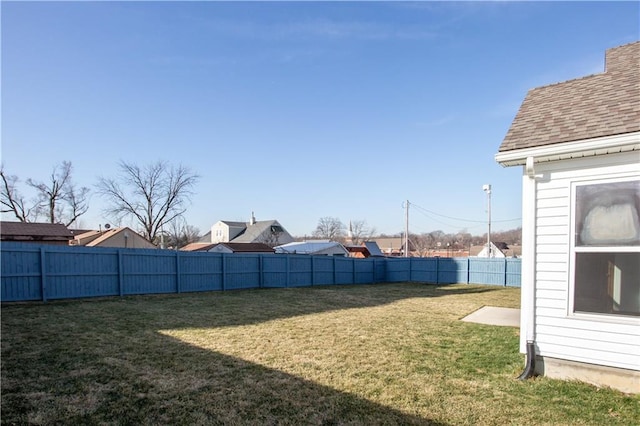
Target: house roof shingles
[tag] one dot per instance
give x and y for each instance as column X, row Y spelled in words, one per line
column 235, row 247
column 198, row 246
column 599, row 105
column 248, row 247
column 34, row 231
column 252, row 232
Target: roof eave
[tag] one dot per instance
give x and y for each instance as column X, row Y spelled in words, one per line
column 576, row 149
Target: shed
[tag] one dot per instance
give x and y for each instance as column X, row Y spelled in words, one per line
column 578, row 143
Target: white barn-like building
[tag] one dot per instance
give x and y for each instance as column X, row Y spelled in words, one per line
column 578, row 143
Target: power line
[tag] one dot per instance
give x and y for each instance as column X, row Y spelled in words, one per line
column 457, row 218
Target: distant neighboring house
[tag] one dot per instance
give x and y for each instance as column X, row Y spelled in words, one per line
column 391, row 246
column 117, row 237
column 198, row 246
column 41, row 233
column 229, row 248
column 316, row 247
column 498, row 250
column 269, row 232
column 578, row 143
column 394, row 246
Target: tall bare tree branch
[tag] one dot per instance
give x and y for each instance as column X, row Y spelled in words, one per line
column 12, row 201
column 59, row 200
column 153, row 195
column 329, row 228
column 359, row 231
column 180, row 233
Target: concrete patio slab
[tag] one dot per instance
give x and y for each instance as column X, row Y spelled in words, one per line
column 492, row 315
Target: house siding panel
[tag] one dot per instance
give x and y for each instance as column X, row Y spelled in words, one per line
column 551, row 257
column 551, row 212
column 551, row 285
column 560, row 334
column 551, row 293
column 558, row 302
column 571, row 325
column 589, row 355
column 583, row 335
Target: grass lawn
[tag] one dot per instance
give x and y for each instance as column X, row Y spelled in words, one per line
column 371, row 354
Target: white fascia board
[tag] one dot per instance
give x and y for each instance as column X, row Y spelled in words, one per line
column 577, row 149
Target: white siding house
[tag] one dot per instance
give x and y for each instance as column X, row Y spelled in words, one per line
column 270, row 232
column 495, row 252
column 224, row 231
column 579, row 145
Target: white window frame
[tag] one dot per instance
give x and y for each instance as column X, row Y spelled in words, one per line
column 573, row 249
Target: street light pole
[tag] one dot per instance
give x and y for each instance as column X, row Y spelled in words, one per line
column 406, row 231
column 487, row 189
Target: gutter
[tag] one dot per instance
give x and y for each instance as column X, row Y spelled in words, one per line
column 625, row 142
column 528, row 296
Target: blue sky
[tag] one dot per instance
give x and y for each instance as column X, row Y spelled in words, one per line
column 295, row 110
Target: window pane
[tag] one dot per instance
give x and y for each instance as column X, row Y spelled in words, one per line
column 607, row 283
column 607, row 214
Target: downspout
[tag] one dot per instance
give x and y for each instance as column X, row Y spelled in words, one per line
column 528, row 280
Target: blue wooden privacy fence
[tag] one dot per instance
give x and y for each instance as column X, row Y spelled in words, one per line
column 45, row 272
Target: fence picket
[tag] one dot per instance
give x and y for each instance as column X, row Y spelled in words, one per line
column 43, row 274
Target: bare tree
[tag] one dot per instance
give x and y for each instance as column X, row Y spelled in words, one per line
column 13, row 201
column 180, row 234
column 511, row 237
column 152, row 195
column 359, row 231
column 463, row 239
column 329, row 228
column 58, row 200
column 421, row 243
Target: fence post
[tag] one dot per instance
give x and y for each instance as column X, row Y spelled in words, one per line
column 288, row 269
column 224, row 270
column 505, row 272
column 353, row 270
column 313, row 271
column 261, row 270
column 178, row 289
column 43, row 274
column 468, row 269
column 120, row 274
column 335, row 273
column 437, row 270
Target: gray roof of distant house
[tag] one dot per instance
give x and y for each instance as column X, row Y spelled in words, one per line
column 374, row 249
column 34, row 231
column 599, row 105
column 308, row 247
column 206, row 238
column 198, row 246
column 235, row 224
column 248, row 247
column 252, row 232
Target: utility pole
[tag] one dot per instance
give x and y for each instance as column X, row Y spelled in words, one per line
column 487, row 189
column 406, row 231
